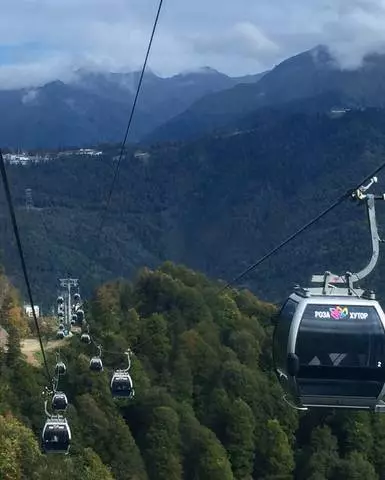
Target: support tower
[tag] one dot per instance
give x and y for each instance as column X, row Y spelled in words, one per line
column 67, row 284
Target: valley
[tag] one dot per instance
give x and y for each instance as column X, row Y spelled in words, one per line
column 215, row 204
column 217, row 172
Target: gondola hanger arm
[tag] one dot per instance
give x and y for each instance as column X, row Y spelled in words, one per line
column 46, row 409
column 328, row 278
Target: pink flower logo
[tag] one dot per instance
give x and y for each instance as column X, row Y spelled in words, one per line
column 338, row 312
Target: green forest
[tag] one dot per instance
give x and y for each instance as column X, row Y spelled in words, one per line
column 207, row 404
column 216, row 205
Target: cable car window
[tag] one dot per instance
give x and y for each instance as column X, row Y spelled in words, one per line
column 341, row 336
column 344, row 344
column 56, row 438
column 281, row 334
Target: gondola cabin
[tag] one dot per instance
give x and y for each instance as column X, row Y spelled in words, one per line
column 56, row 436
column 329, row 351
column 60, row 368
column 59, row 401
column 85, row 338
column 96, row 364
column 121, row 385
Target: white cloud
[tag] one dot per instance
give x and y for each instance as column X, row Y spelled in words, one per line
column 351, row 28
column 30, row 97
column 244, row 39
column 35, row 73
column 357, row 30
column 42, row 40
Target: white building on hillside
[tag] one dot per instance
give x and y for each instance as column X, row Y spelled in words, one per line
column 28, row 311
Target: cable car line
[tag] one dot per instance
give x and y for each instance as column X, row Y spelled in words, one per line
column 98, row 344
column 56, row 434
column 133, row 109
column 123, row 383
column 335, row 204
column 22, row 259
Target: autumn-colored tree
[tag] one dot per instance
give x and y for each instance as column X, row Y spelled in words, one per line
column 12, row 313
column 19, row 452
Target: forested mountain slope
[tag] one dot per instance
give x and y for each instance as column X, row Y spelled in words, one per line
column 94, row 107
column 216, row 204
column 307, row 75
column 207, row 404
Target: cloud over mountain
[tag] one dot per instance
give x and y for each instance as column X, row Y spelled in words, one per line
column 42, row 40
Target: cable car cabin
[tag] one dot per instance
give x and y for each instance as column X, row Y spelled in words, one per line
column 121, row 385
column 60, row 368
column 80, row 316
column 74, row 319
column 76, row 298
column 59, row 401
column 60, row 300
column 96, row 364
column 60, row 334
column 85, row 338
column 329, row 351
column 56, row 436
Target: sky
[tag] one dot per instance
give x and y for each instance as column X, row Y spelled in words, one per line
column 44, row 40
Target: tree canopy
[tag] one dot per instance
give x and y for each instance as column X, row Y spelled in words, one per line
column 207, row 404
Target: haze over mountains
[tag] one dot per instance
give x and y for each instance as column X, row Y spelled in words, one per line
column 307, row 76
column 94, row 107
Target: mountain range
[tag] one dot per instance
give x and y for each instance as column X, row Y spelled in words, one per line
column 216, row 204
column 308, row 75
column 94, row 107
column 223, row 195
column 241, row 170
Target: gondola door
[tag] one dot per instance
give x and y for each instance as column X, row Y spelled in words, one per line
column 341, row 351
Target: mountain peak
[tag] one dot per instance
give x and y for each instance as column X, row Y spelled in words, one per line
column 323, row 57
column 200, row 71
column 317, row 58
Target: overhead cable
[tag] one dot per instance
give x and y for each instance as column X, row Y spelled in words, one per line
column 22, row 259
column 301, row 230
column 115, row 176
